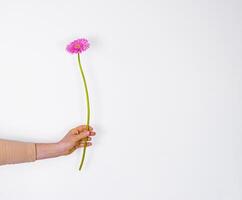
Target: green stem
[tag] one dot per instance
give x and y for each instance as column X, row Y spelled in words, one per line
column 88, row 108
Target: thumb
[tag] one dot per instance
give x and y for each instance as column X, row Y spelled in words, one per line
column 82, row 135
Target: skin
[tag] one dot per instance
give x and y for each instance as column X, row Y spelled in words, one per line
column 73, row 140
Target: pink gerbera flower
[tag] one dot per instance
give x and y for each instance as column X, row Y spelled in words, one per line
column 78, row 46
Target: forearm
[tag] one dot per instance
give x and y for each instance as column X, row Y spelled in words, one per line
column 12, row 152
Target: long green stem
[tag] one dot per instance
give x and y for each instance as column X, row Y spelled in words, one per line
column 88, row 109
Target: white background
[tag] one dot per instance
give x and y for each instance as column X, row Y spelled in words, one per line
column 165, row 80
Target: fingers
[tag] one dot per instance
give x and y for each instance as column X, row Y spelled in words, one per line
column 84, row 140
column 83, row 144
column 92, row 133
column 85, row 134
column 80, row 144
column 79, row 129
column 84, row 127
column 82, row 135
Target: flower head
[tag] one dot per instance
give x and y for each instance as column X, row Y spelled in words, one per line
column 78, row 46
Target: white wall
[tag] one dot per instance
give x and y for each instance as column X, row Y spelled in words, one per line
column 165, row 89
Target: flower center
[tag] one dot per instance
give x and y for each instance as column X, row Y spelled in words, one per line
column 77, row 46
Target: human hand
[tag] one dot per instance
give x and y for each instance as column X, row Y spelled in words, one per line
column 75, row 138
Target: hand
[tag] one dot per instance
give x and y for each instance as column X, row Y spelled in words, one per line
column 75, row 138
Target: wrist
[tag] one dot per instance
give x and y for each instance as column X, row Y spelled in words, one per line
column 48, row 150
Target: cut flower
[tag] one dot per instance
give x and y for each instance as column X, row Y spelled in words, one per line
column 78, row 46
